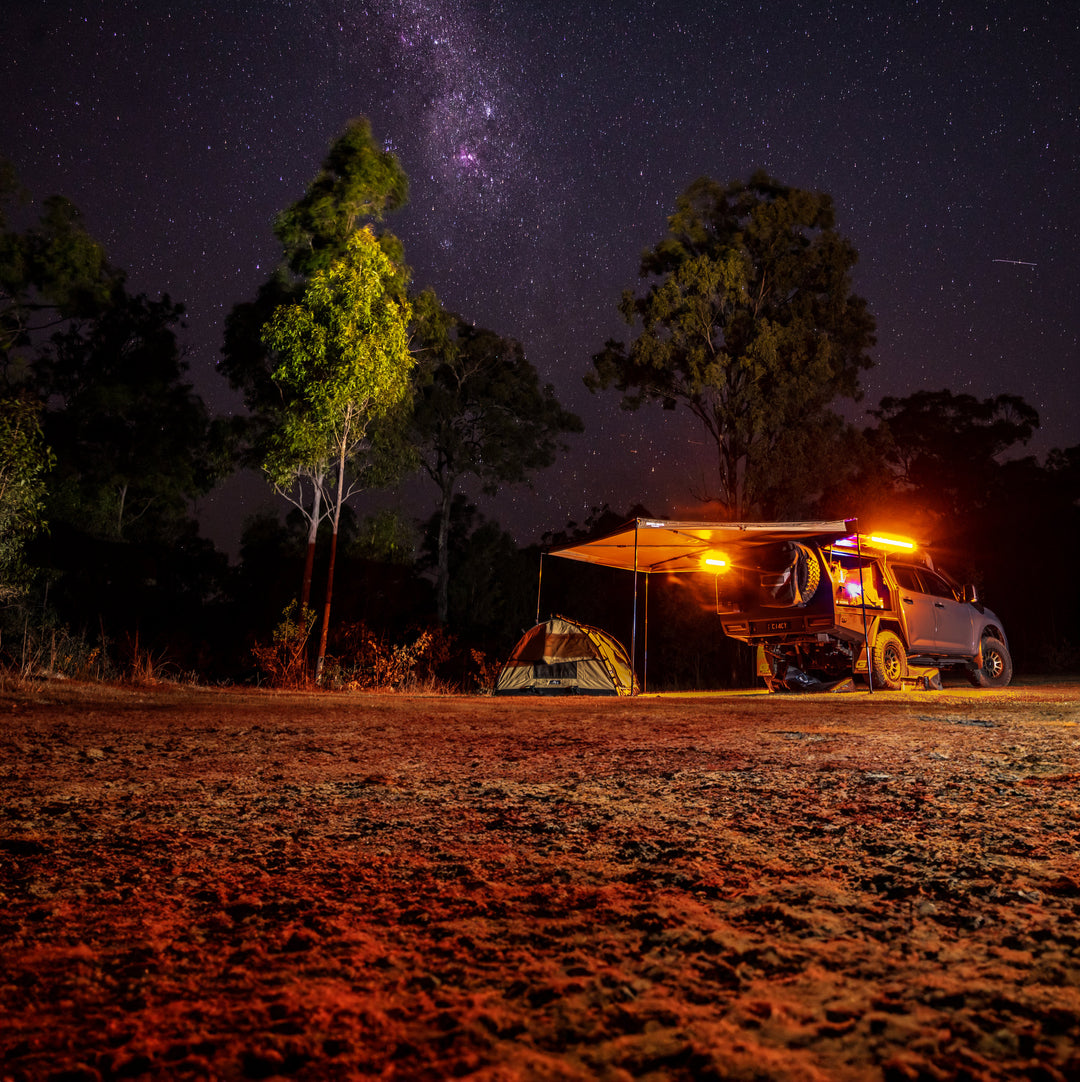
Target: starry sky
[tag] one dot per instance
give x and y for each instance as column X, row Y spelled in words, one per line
column 546, row 142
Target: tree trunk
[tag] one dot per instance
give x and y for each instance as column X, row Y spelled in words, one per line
column 313, row 533
column 330, row 569
column 442, row 575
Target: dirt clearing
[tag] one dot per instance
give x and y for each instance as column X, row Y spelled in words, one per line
column 202, row 884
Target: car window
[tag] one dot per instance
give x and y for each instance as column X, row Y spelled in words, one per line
column 936, row 585
column 907, row 578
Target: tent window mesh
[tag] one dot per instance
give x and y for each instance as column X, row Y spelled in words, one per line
column 560, row 670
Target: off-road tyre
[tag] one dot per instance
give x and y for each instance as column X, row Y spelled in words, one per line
column 808, row 573
column 997, row 666
column 888, row 661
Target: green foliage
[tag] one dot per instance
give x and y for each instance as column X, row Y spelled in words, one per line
column 480, row 407
column 750, row 324
column 385, row 537
column 344, row 362
column 24, row 462
column 358, row 182
column 342, row 356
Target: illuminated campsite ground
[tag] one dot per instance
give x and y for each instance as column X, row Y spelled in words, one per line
column 218, row 884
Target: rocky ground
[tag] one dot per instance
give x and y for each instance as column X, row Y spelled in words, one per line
column 202, row 884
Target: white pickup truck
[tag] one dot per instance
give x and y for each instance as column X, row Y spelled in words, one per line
column 858, row 604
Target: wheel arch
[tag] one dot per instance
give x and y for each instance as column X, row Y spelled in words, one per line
column 890, row 625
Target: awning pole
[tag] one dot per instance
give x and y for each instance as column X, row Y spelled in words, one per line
column 633, row 625
column 862, row 599
column 539, row 583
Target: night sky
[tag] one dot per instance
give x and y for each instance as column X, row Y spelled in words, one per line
column 546, row 143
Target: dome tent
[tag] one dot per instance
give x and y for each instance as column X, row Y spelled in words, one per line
column 563, row 657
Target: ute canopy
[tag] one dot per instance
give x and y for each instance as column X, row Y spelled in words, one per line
column 562, row 657
column 652, row 545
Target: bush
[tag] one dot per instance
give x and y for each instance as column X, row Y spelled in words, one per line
column 366, row 661
column 284, row 659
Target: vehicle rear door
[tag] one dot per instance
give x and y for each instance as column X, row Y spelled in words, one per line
column 953, row 620
column 916, row 607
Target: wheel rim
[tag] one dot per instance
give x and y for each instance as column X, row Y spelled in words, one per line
column 992, row 664
column 892, row 664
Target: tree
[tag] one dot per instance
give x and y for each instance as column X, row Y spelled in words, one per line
column 944, row 447
column 343, row 361
column 52, row 272
column 358, row 182
column 480, row 410
column 134, row 442
column 24, row 461
column 494, row 582
column 750, row 323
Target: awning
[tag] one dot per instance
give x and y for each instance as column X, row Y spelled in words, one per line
column 652, row 545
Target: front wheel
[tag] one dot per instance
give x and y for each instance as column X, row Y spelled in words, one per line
column 997, row 667
column 889, row 661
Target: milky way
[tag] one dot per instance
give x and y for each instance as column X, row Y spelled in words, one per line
column 545, row 144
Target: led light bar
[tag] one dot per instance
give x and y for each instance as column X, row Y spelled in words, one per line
column 892, row 542
column 874, row 539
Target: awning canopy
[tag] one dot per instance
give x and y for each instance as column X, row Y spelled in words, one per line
column 652, row 545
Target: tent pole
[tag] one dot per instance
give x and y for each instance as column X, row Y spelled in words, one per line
column 539, row 583
column 633, row 625
column 645, row 659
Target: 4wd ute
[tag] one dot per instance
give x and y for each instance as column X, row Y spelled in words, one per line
column 858, row 604
column 820, row 599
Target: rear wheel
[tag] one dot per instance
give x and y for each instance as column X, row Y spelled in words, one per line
column 997, row 668
column 889, row 661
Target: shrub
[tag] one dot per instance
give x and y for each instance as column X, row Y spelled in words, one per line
column 284, row 659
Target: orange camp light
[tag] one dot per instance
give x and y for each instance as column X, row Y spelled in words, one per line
column 715, row 561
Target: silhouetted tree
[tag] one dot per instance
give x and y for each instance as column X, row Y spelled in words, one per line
column 945, row 446
column 481, row 411
column 493, row 589
column 134, row 442
column 751, row 324
column 50, row 273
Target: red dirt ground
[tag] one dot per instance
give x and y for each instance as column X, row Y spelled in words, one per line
column 203, row 884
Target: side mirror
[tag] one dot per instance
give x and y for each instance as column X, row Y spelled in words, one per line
column 971, row 595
